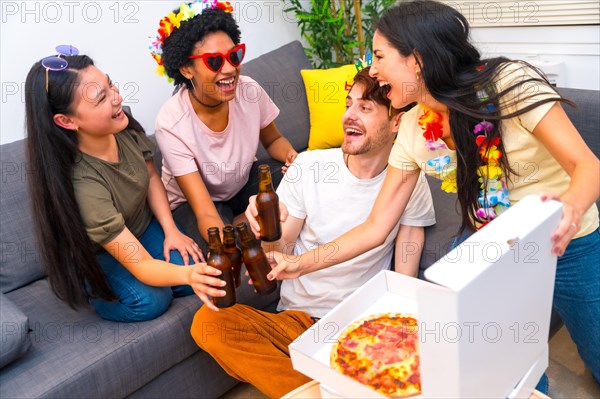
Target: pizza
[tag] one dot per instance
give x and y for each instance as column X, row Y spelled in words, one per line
column 381, row 351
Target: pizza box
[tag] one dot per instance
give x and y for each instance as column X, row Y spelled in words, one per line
column 484, row 316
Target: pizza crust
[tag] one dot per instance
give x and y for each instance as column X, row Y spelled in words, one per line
column 381, row 351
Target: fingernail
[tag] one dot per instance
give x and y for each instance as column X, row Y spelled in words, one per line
column 270, row 276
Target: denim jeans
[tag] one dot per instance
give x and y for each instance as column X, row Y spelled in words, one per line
column 577, row 298
column 138, row 301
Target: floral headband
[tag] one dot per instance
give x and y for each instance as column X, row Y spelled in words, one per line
column 361, row 64
column 173, row 20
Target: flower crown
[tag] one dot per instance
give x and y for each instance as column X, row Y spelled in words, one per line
column 361, row 64
column 173, row 20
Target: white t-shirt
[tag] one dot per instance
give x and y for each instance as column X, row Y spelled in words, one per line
column 224, row 159
column 319, row 188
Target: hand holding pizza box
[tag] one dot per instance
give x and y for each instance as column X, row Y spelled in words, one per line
column 483, row 327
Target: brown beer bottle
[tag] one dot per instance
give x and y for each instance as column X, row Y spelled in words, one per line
column 233, row 252
column 267, row 204
column 256, row 261
column 219, row 260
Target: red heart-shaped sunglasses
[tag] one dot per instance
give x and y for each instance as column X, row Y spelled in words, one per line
column 215, row 61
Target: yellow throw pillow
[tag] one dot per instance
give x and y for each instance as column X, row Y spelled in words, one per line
column 326, row 93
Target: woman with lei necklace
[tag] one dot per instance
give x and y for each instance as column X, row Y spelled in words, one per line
column 209, row 131
column 493, row 131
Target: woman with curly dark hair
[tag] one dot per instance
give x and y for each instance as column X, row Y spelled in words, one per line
column 210, row 129
column 106, row 233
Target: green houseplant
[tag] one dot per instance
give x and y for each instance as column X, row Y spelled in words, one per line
column 337, row 32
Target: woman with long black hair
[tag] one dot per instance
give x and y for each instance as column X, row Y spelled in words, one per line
column 103, row 221
column 492, row 130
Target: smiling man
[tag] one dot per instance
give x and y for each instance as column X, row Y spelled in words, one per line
column 326, row 192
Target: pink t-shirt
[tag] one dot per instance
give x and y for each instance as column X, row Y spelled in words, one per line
column 223, row 158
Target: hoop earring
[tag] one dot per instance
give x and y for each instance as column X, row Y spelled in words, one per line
column 192, row 82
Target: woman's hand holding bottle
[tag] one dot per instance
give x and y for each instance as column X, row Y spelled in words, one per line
column 202, row 278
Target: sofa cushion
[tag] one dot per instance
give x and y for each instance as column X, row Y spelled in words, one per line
column 14, row 331
column 198, row 376
column 76, row 354
column 326, row 95
column 20, row 261
column 278, row 72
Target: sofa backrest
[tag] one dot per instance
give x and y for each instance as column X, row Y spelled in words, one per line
column 20, row 261
column 586, row 117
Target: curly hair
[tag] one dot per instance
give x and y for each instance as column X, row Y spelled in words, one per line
column 180, row 44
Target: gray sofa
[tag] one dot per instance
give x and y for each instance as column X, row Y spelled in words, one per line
column 50, row 350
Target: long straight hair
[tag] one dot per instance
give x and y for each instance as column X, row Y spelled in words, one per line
column 66, row 249
column 451, row 68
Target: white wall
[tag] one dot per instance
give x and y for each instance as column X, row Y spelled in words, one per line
column 576, row 48
column 115, row 34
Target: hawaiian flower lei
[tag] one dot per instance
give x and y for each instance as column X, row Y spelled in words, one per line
column 431, row 123
column 493, row 195
column 171, row 21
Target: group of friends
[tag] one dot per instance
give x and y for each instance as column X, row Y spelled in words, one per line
column 118, row 236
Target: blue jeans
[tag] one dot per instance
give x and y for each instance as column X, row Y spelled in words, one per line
column 138, row 301
column 577, row 298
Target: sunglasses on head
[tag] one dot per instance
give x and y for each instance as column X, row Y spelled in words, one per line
column 55, row 63
column 215, row 61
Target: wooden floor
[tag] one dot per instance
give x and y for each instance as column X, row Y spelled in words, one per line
column 568, row 376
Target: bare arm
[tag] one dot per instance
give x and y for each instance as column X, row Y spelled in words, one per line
column 391, row 201
column 174, row 239
column 197, row 195
column 409, row 246
column 277, row 146
column 563, row 141
column 133, row 256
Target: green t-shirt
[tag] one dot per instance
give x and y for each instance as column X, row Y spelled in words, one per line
column 112, row 196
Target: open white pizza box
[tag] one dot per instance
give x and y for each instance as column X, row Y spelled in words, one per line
column 483, row 319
